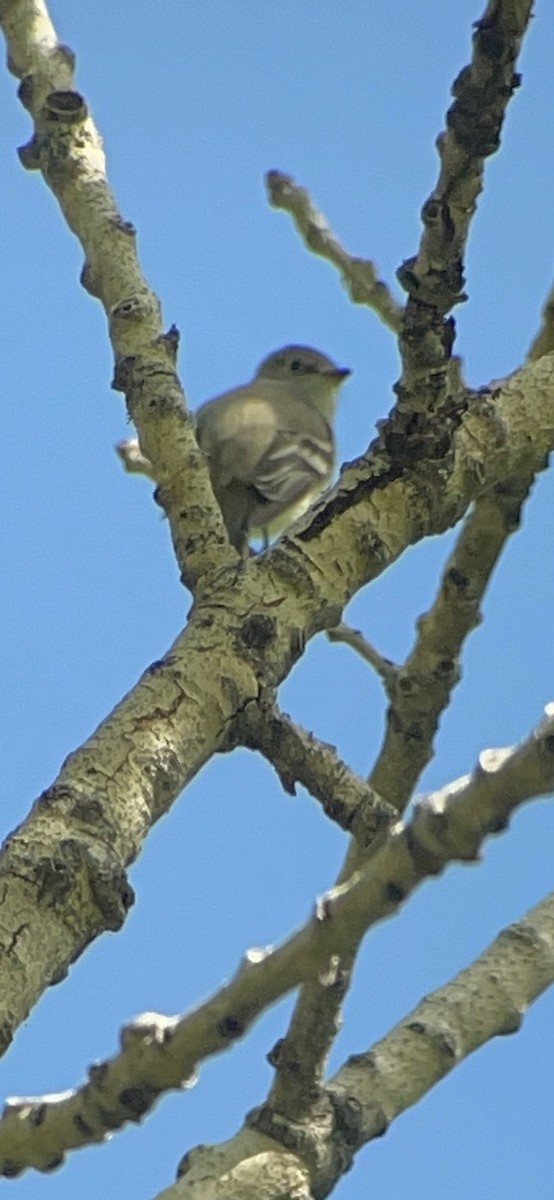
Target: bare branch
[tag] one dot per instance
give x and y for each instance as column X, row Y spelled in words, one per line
column 544, row 341
column 67, row 149
column 386, row 670
column 183, row 710
column 423, row 686
column 359, row 275
column 486, row 1000
column 433, row 279
column 160, row 1053
column 299, row 757
column 464, row 805
column 300, row 1057
column 63, row 878
column 134, row 461
column 92, row 822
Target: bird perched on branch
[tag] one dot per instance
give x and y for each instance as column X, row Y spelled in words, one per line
column 270, row 443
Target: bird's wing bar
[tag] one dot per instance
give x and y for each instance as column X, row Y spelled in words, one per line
column 291, row 467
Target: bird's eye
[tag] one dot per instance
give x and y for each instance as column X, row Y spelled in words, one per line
column 296, row 364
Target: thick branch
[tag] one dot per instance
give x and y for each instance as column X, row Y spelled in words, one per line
column 302, row 1053
column 67, row 149
column 486, row 1000
column 434, row 277
column 159, row 1053
column 240, row 639
column 274, row 1156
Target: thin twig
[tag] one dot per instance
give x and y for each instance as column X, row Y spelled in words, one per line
column 134, row 461
column 386, row 670
column 359, row 275
column 543, row 343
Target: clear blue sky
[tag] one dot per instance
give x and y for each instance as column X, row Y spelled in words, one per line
column 195, row 102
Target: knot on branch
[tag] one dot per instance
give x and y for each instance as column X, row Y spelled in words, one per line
column 65, row 107
column 258, row 631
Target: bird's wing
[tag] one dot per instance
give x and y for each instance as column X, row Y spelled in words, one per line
column 295, row 462
column 234, row 431
column 281, row 458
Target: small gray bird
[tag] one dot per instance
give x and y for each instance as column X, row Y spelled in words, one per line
column 270, row 444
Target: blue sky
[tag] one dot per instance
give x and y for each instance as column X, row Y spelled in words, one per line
column 195, row 102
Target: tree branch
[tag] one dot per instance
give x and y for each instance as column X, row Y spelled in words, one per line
column 359, row 275
column 434, row 279
column 486, row 1000
column 160, row 1053
column 134, row 461
column 299, row 757
column 254, row 618
column 93, row 820
column 543, row 343
column 67, row 149
column 302, row 1054
column 422, row 687
column 273, row 1156
column 385, row 669
column 420, row 691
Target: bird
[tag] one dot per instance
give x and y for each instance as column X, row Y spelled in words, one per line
column 270, row 444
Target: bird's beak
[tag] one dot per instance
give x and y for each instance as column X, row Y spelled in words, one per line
column 338, row 373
